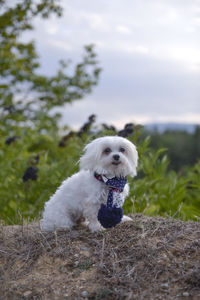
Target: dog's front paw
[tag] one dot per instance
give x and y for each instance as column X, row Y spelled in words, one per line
column 126, row 219
column 95, row 227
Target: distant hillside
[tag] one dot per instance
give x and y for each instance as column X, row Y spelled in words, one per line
column 161, row 127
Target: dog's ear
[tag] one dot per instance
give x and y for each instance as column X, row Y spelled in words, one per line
column 90, row 157
column 133, row 158
column 85, row 162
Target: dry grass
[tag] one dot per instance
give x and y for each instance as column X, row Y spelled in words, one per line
column 150, row 258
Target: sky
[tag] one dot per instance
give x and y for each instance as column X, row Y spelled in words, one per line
column 149, row 51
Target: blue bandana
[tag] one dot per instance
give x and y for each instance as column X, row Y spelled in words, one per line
column 110, row 215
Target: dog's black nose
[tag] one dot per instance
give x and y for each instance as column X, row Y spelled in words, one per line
column 116, row 157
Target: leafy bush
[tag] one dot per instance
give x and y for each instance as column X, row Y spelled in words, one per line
column 162, row 192
column 25, row 198
column 155, row 191
column 31, row 163
column 183, row 148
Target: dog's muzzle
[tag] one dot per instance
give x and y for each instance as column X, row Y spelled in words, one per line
column 116, row 158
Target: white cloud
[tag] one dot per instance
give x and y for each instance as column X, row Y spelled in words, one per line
column 64, row 45
column 95, row 21
column 190, row 118
column 129, row 48
column 123, row 29
column 51, row 29
column 76, row 115
column 138, row 49
column 187, row 55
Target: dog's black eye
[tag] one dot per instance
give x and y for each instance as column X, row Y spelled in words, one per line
column 122, row 150
column 107, row 150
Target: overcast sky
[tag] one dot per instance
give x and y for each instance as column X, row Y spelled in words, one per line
column 149, row 51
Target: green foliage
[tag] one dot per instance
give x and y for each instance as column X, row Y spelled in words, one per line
column 155, row 191
column 29, row 134
column 183, row 148
column 55, row 163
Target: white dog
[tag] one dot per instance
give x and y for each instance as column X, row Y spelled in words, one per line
column 82, row 194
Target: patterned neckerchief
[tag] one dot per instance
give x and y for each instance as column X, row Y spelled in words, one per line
column 116, row 186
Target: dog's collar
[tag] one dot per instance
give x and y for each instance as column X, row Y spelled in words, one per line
column 116, row 183
column 101, row 178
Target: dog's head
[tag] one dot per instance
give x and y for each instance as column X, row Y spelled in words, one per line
column 110, row 155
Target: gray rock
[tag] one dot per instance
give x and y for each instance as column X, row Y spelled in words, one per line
column 84, row 294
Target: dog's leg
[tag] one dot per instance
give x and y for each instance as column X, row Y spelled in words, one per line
column 49, row 225
column 90, row 213
column 95, row 226
column 56, row 221
column 126, row 219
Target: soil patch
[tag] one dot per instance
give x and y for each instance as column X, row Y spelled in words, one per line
column 149, row 258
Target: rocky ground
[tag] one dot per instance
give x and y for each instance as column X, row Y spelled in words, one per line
column 149, row 258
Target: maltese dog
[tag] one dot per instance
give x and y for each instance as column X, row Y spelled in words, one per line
column 98, row 188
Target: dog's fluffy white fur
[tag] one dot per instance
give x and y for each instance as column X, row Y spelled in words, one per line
column 81, row 195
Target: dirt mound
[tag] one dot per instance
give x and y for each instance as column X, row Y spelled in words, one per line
column 150, row 258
